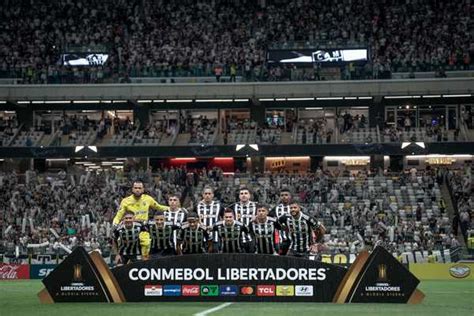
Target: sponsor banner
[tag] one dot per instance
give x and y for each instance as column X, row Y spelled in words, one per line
column 443, row 271
column 247, row 290
column 323, row 56
column 266, row 290
column 285, row 290
column 172, row 290
column 304, row 290
column 209, row 290
column 191, row 290
column 229, row 290
column 40, row 271
column 443, row 256
column 14, row 271
column 153, row 290
column 240, row 276
column 375, row 278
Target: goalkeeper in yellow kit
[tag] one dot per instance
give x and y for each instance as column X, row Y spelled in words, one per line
column 138, row 204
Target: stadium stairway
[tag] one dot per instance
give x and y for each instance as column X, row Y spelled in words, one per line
column 450, row 211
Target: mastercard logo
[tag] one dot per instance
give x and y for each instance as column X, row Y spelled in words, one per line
column 247, row 290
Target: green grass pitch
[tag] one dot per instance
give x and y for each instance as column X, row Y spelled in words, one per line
column 446, row 298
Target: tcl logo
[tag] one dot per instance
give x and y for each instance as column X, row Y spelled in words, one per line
column 190, row 290
column 266, row 290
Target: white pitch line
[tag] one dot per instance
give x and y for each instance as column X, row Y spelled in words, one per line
column 214, row 309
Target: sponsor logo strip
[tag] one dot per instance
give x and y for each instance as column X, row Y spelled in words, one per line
column 229, row 290
column 304, row 290
column 285, row 290
column 191, row 290
column 153, row 290
column 172, row 290
column 209, row 290
column 266, row 290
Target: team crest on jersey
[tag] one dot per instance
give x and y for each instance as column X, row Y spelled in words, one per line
column 144, row 203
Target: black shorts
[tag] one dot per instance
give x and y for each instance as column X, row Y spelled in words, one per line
column 129, row 258
column 154, row 254
column 297, row 254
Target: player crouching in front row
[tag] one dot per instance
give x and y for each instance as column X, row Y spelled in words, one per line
column 131, row 240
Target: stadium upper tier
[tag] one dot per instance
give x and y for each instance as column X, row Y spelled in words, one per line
column 204, row 38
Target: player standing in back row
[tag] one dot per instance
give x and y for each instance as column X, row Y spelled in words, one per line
column 138, row 203
column 303, row 231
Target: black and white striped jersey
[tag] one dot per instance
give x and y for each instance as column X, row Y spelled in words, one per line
column 263, row 234
column 245, row 213
column 128, row 240
column 280, row 210
column 300, row 231
column 230, row 237
column 177, row 217
column 277, row 212
column 209, row 213
column 193, row 240
column 161, row 237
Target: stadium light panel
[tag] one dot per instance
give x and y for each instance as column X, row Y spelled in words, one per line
column 254, row 146
column 239, row 147
column 179, row 101
column 300, row 99
column 432, row 96
column 329, row 98
column 214, row 100
column 86, row 101
column 398, row 97
column 456, row 95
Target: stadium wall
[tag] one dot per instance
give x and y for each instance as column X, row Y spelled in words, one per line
column 374, row 88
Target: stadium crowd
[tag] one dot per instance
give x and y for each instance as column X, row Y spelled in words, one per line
column 461, row 189
column 221, row 37
column 404, row 211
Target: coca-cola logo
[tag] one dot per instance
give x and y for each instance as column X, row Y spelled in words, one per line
column 190, row 290
column 14, row 271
